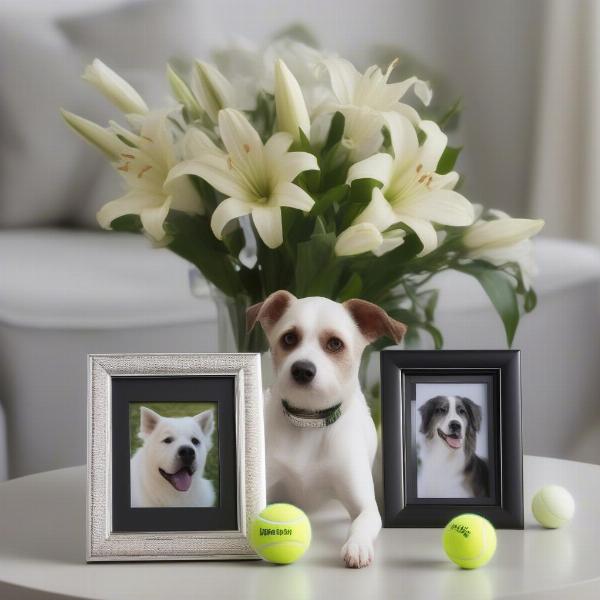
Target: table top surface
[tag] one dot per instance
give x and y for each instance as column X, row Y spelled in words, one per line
column 42, row 554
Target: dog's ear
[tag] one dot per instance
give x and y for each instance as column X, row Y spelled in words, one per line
column 427, row 411
column 270, row 310
column 206, row 421
column 373, row 321
column 148, row 421
column 473, row 412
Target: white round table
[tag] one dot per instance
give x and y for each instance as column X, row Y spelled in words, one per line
column 42, row 550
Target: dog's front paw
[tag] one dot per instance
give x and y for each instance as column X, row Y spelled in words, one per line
column 357, row 553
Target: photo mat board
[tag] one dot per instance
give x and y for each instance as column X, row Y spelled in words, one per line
column 128, row 395
column 408, row 379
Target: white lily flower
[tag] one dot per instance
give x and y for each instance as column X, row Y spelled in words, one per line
column 213, row 91
column 292, row 114
column 372, row 90
column 145, row 168
column 115, row 88
column 255, row 177
column 183, row 94
column 412, row 192
column 504, row 240
column 101, row 137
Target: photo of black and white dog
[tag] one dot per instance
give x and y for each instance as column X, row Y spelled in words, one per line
column 448, row 465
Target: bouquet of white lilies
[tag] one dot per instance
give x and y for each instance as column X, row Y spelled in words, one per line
column 309, row 176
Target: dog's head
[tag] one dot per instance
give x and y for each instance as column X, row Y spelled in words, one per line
column 176, row 448
column 451, row 420
column 317, row 344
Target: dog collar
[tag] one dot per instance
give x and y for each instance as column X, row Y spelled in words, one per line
column 311, row 418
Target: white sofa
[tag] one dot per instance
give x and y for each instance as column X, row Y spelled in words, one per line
column 65, row 294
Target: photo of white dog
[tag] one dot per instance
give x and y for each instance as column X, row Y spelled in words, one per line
column 452, row 441
column 168, row 468
column 320, row 436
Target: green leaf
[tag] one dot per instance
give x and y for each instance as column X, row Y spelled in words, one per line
column 194, row 241
column 335, row 195
column 129, row 223
column 530, row 300
column 352, row 288
column 448, row 160
column 360, row 196
column 500, row 291
column 450, row 117
column 336, row 131
column 316, row 266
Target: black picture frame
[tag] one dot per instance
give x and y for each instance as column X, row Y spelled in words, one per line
column 216, row 389
column 401, row 370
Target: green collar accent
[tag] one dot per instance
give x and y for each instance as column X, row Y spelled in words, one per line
column 312, row 418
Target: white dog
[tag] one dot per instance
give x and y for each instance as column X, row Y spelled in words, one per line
column 320, row 437
column 168, row 469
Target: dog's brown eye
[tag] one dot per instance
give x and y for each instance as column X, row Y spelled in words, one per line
column 168, row 440
column 334, row 344
column 195, row 441
column 289, row 339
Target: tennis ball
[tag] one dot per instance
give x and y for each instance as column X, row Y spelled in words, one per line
column 469, row 541
column 280, row 533
column 553, row 506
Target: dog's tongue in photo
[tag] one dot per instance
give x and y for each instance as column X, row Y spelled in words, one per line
column 320, row 436
column 168, row 470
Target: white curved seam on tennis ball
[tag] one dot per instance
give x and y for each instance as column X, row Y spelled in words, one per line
column 301, row 518
column 480, row 553
column 541, row 498
column 269, row 544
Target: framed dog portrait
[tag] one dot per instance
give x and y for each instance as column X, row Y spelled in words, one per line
column 175, row 456
column 451, row 423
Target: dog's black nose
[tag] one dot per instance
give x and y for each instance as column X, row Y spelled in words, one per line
column 454, row 427
column 187, row 455
column 303, row 371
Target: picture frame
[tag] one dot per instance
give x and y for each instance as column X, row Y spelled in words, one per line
column 173, row 439
column 451, row 437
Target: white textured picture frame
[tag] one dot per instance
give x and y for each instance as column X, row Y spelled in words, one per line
column 104, row 544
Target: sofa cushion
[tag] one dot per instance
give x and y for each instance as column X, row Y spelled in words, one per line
column 93, row 280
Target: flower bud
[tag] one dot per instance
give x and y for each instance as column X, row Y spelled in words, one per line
column 102, row 138
column 115, row 88
column 292, row 114
column 212, row 89
column 363, row 237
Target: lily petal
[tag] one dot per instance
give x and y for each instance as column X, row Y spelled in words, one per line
column 184, row 196
column 289, row 194
column 424, row 230
column 344, row 78
column 195, row 143
column 290, row 165
column 267, row 220
column 153, row 219
column 403, row 137
column 229, row 209
column 277, row 145
column 131, row 203
column 244, row 146
column 446, row 207
column 378, row 212
column 432, row 149
column 214, row 170
column 378, row 167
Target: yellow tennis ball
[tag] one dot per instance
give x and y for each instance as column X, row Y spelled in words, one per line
column 469, row 541
column 553, row 506
column 280, row 533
